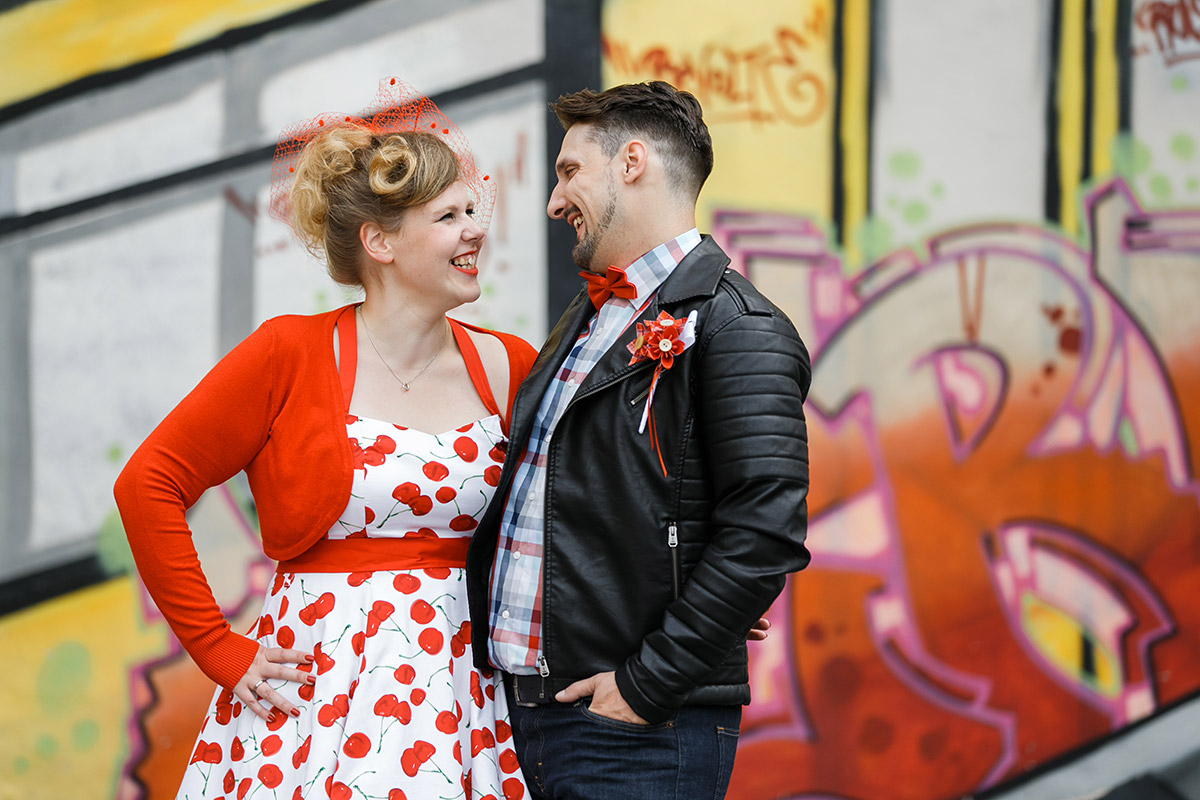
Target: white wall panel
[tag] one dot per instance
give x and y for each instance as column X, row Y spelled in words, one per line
column 287, row 279
column 123, row 326
column 959, row 126
column 1162, row 156
column 146, row 145
column 458, row 49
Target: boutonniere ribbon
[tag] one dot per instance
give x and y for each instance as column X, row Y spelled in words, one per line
column 660, row 340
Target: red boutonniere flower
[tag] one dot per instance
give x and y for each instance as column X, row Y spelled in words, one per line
column 660, row 340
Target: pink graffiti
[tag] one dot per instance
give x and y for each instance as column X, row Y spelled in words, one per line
column 1034, row 352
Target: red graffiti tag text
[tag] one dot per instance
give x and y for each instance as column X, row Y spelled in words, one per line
column 1175, row 25
column 770, row 82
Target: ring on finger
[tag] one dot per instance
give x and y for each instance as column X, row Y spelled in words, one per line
column 254, row 688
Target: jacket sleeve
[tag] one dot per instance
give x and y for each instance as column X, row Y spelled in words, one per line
column 753, row 376
column 208, row 438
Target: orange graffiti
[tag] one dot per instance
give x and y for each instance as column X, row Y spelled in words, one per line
column 770, row 82
column 1006, row 514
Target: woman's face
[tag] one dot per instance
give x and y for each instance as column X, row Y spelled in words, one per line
column 437, row 246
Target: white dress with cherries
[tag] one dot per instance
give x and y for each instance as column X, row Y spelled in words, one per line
column 398, row 711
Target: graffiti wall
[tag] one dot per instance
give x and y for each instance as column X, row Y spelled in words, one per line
column 134, row 251
column 984, row 219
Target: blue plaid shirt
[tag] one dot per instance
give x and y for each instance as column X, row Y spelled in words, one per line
column 516, row 582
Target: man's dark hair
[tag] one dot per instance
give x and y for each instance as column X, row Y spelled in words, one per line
column 671, row 119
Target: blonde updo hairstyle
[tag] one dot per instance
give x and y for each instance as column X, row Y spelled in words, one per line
column 347, row 176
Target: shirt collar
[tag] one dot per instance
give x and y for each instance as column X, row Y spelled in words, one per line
column 648, row 272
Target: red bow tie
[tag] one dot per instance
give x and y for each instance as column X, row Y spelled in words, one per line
column 602, row 287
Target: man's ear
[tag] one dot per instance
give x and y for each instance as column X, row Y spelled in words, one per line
column 634, row 158
column 374, row 242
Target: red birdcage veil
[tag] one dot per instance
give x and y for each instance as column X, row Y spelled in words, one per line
column 397, row 108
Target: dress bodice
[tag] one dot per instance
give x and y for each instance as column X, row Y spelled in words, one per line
column 408, row 483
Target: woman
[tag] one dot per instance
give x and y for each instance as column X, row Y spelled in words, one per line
column 371, row 437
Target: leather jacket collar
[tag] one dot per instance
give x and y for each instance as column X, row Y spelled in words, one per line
column 697, row 276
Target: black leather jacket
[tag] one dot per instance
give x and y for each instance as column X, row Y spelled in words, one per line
column 660, row 578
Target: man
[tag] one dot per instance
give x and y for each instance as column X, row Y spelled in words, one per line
column 649, row 512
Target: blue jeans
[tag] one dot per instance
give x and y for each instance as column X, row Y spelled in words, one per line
column 569, row 753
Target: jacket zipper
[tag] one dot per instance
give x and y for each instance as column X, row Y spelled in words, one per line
column 673, row 544
column 542, row 664
column 610, row 381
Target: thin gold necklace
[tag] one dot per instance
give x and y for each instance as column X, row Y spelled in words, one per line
column 403, row 383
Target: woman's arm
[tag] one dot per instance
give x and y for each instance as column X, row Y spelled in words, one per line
column 207, row 439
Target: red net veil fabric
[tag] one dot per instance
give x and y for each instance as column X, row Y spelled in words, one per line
column 397, row 108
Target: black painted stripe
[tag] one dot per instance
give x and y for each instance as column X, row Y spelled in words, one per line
column 573, row 54
column 1053, row 200
column 38, row 587
column 837, row 177
column 1089, row 91
column 1123, row 42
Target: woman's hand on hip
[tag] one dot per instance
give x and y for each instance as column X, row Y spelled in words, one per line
column 268, row 666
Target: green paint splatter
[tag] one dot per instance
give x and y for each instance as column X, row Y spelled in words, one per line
column 873, row 236
column 112, row 548
column 521, row 321
column 1130, row 156
column 489, row 291
column 20, row 765
column 1193, row 184
column 915, row 212
column 1160, row 187
column 938, row 190
column 114, row 453
column 321, row 300
column 904, row 164
column 1183, row 146
column 85, row 734
column 1179, row 83
column 893, row 202
column 63, row 681
column 46, row 746
column 1127, row 437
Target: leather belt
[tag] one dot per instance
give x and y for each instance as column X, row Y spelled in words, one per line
column 534, row 690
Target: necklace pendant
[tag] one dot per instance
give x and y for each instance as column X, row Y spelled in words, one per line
column 403, row 384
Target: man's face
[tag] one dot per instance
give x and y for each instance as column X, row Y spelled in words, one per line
column 586, row 197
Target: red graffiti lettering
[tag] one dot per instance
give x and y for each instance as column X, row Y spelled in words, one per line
column 770, row 82
column 1175, row 25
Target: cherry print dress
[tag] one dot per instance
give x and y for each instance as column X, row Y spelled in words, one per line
column 398, row 711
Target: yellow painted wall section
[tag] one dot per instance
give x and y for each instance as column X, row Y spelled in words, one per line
column 856, row 155
column 765, row 79
column 1105, row 85
column 1069, row 97
column 65, row 705
column 47, row 44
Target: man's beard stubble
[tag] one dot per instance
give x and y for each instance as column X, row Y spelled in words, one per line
column 584, row 253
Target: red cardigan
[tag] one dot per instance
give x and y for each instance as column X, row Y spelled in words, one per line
column 273, row 406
